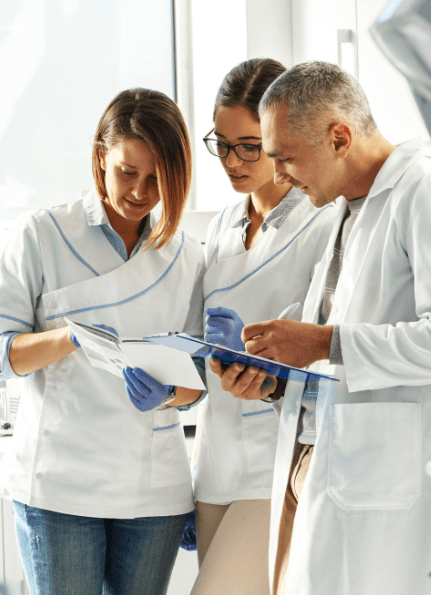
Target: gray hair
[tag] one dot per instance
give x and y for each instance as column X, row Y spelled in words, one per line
column 317, row 95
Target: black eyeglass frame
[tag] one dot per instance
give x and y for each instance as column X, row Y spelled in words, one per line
column 229, row 147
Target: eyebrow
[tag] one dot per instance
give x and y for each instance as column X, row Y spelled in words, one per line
column 127, row 165
column 272, row 153
column 241, row 137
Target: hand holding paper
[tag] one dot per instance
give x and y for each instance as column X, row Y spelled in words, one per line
column 144, row 392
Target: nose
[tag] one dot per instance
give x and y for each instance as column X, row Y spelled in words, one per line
column 139, row 190
column 232, row 160
column 280, row 174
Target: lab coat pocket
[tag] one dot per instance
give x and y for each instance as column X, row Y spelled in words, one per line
column 375, row 455
column 259, row 434
column 169, row 461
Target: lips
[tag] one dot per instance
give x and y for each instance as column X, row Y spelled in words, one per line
column 237, row 177
column 135, row 205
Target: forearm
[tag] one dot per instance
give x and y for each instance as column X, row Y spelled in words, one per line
column 30, row 352
column 185, row 396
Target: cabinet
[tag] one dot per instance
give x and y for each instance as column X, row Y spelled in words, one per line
column 338, row 31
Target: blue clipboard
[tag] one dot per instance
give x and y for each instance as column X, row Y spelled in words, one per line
column 184, row 342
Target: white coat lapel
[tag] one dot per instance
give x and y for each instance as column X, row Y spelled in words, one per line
column 232, row 271
column 139, row 275
column 317, row 287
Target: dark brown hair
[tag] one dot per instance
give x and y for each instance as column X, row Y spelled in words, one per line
column 246, row 84
column 155, row 119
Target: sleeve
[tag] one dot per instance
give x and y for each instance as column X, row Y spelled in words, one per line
column 335, row 353
column 194, row 321
column 21, row 283
column 194, row 326
column 397, row 355
column 211, row 242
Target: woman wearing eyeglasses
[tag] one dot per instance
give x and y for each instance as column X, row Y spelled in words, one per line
column 260, row 254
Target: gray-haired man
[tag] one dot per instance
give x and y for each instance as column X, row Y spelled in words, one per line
column 363, row 524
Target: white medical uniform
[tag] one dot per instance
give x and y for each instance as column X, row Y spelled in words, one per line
column 80, row 447
column 238, row 440
column 363, row 524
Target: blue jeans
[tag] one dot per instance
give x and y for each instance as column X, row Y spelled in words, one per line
column 65, row 554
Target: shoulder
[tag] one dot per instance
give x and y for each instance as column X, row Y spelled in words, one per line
column 315, row 217
column 188, row 246
column 412, row 190
column 227, row 217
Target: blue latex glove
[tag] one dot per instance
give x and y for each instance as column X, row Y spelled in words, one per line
column 144, row 392
column 188, row 541
column 106, row 328
column 224, row 326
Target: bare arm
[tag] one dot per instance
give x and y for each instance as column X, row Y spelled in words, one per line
column 185, row 396
column 33, row 351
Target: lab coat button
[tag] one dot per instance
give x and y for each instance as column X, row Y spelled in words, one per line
column 46, row 433
column 334, row 309
column 52, row 304
column 39, row 475
column 428, row 468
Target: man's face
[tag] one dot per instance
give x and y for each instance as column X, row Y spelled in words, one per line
column 315, row 170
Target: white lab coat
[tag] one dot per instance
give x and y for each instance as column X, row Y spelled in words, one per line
column 80, row 447
column 238, row 439
column 363, row 524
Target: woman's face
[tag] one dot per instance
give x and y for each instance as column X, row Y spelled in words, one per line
column 235, row 125
column 130, row 179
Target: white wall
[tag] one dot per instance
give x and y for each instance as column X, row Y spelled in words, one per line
column 269, row 30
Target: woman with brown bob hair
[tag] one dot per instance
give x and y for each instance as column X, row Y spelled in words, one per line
column 98, row 471
column 153, row 118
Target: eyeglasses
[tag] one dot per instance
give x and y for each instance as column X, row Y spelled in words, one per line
column 245, row 151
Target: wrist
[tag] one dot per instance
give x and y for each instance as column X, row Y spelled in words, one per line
column 169, row 398
column 325, row 341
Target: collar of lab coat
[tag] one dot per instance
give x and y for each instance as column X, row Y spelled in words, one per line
column 274, row 217
column 397, row 163
column 94, row 209
column 96, row 214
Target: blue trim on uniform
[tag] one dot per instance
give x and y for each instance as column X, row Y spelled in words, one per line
column 268, row 259
column 218, row 235
column 259, row 412
column 16, row 320
column 166, row 427
column 84, row 262
column 129, row 299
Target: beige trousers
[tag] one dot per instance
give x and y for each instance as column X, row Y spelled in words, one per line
column 232, row 544
column 300, row 466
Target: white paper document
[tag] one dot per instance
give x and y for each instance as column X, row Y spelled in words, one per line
column 109, row 352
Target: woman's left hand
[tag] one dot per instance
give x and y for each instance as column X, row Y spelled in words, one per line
column 223, row 327
column 144, row 392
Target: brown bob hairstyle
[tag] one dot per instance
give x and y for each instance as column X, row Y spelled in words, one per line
column 155, row 119
column 246, row 84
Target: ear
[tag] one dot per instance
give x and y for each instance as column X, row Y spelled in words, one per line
column 102, row 160
column 341, row 139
